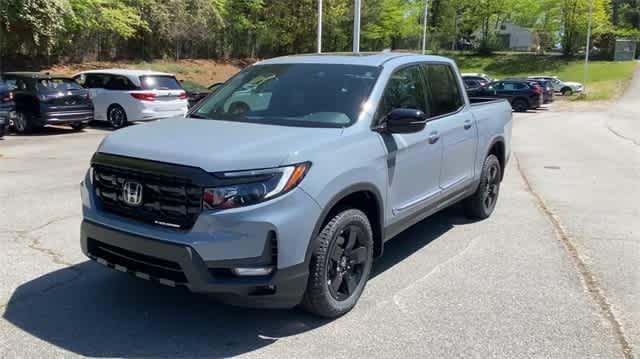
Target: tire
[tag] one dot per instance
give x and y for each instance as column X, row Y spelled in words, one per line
column 238, row 108
column 116, row 116
column 337, row 274
column 520, row 105
column 482, row 203
column 567, row 91
column 78, row 126
column 22, row 123
column 3, row 130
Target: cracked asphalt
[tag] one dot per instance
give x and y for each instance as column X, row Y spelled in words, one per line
column 552, row 274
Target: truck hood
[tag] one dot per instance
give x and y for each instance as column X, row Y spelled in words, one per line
column 216, row 145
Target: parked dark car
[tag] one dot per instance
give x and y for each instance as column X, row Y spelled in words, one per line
column 7, row 107
column 522, row 95
column 474, row 82
column 43, row 99
column 547, row 90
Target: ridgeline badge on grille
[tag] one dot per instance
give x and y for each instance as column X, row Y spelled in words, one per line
column 132, row 193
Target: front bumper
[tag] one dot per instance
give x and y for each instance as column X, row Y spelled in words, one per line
column 180, row 265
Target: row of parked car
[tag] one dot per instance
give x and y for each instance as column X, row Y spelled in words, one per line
column 523, row 94
column 32, row 100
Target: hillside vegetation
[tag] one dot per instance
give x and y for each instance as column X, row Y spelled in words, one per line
column 607, row 80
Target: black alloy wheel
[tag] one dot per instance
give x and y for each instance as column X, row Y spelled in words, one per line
column 116, row 116
column 491, row 187
column 346, row 263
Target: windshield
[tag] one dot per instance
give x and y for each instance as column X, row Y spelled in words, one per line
column 60, row 84
column 159, row 83
column 318, row 95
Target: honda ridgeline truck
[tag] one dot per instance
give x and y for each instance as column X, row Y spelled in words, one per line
column 286, row 194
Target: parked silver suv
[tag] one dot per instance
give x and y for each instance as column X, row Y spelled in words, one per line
column 282, row 187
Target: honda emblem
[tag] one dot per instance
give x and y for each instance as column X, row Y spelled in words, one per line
column 132, row 193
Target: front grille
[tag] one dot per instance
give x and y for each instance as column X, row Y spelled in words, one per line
column 166, row 200
column 133, row 262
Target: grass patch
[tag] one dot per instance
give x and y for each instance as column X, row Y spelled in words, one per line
column 607, row 79
column 170, row 67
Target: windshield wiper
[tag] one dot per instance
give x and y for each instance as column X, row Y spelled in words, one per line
column 196, row 115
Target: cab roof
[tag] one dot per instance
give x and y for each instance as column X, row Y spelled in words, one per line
column 349, row 58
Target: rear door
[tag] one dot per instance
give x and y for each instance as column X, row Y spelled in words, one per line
column 456, row 126
column 414, row 159
column 169, row 94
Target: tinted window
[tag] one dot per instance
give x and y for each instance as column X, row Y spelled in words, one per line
column 118, row 83
column 405, row 89
column 21, row 84
column 444, row 93
column 54, row 84
column 322, row 95
column 160, row 83
column 520, row 86
column 93, row 81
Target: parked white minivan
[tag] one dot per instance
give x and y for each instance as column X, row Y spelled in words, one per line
column 120, row 96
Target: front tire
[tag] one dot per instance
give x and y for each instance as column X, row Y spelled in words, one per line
column 482, row 203
column 567, row 91
column 116, row 116
column 340, row 264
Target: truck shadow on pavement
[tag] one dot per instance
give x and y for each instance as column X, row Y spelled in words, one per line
column 89, row 310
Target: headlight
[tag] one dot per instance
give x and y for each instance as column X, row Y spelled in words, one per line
column 250, row 187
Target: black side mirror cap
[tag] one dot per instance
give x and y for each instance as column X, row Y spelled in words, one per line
column 405, row 120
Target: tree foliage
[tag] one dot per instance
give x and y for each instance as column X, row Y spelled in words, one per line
column 77, row 30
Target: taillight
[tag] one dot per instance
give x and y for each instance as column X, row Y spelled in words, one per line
column 183, row 96
column 8, row 97
column 537, row 89
column 144, row 96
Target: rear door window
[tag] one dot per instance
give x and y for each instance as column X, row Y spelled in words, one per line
column 118, row 83
column 154, row 82
column 445, row 95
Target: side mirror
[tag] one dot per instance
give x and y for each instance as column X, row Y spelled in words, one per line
column 405, row 120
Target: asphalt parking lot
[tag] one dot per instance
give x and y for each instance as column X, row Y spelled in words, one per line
column 553, row 273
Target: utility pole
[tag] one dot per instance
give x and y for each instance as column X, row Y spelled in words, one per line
column 356, row 27
column 319, row 26
column 588, row 48
column 424, row 26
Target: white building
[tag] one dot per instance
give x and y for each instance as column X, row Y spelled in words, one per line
column 513, row 37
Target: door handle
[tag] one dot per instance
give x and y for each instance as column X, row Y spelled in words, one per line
column 433, row 137
column 467, row 124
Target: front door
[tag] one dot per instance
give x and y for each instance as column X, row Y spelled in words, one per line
column 415, row 158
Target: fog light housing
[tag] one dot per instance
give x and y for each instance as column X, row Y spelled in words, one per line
column 252, row 271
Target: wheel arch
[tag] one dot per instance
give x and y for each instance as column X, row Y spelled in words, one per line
column 363, row 196
column 497, row 147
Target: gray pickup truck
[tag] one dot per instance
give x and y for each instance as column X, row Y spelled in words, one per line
column 281, row 187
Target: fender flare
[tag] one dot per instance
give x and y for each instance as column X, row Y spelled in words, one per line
column 357, row 187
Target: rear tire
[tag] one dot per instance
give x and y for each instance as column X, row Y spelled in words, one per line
column 482, row 203
column 340, row 264
column 22, row 123
column 116, row 116
column 78, row 126
column 519, row 105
